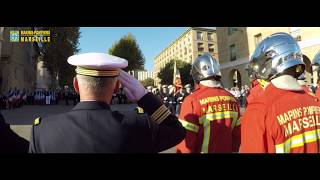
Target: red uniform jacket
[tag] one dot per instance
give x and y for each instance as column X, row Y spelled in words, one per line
column 318, row 91
column 211, row 117
column 255, row 91
column 281, row 121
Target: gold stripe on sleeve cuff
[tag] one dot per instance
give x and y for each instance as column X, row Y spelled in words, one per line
column 162, row 117
column 158, row 112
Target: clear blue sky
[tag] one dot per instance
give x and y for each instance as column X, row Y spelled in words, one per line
column 150, row 39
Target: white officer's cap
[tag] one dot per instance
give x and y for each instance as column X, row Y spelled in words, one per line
column 149, row 87
column 97, row 64
column 164, row 86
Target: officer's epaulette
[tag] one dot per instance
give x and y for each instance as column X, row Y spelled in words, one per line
column 37, row 121
column 139, row 110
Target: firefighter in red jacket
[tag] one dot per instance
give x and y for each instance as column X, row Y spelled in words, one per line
column 285, row 118
column 210, row 114
column 257, row 88
column 257, row 85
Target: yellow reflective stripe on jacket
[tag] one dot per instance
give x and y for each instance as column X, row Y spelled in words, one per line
column 218, row 116
column 298, row 141
column 205, row 120
column 189, row 126
column 206, row 137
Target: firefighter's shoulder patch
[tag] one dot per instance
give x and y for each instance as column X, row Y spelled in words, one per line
column 37, row 121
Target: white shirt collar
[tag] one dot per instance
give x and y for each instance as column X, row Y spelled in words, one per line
column 286, row 82
column 211, row 83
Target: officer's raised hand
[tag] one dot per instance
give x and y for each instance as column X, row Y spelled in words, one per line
column 165, row 128
column 132, row 87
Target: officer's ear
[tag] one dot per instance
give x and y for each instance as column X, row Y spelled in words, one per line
column 117, row 86
column 76, row 85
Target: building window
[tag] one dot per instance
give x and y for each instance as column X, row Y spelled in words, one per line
column 200, row 47
column 257, row 39
column 210, row 37
column 185, row 51
column 190, row 58
column 233, row 52
column 230, row 30
column 211, row 48
column 199, row 36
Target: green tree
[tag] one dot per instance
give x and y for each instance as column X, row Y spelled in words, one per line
column 148, row 82
column 166, row 73
column 63, row 44
column 128, row 49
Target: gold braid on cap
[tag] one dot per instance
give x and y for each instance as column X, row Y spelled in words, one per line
column 91, row 72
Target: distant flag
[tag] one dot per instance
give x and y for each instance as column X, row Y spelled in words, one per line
column 176, row 78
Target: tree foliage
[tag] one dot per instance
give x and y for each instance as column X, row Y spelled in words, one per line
column 148, row 82
column 128, row 49
column 63, row 44
column 166, row 73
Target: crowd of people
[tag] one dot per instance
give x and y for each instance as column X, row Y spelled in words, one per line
column 16, row 98
column 240, row 94
column 69, row 94
column 119, row 97
column 171, row 96
column 173, row 100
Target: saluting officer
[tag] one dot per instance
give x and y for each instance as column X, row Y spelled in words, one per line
column 91, row 126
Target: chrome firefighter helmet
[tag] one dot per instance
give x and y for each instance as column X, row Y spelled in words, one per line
column 316, row 59
column 251, row 74
column 274, row 55
column 205, row 66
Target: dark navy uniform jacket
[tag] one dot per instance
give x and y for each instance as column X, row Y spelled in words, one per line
column 91, row 127
column 10, row 142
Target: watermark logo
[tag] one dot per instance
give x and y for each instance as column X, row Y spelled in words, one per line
column 39, row 36
column 14, row 36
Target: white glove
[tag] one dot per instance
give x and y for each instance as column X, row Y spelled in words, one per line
column 132, row 87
